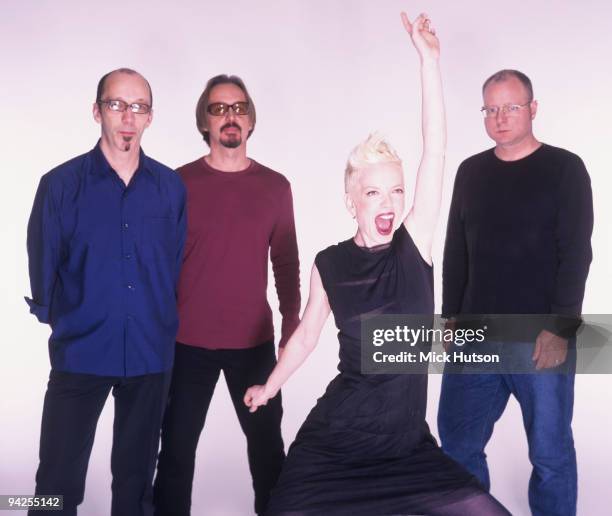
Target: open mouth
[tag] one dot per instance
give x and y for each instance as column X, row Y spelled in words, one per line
column 384, row 223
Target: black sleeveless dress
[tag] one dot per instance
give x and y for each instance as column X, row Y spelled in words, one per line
column 365, row 448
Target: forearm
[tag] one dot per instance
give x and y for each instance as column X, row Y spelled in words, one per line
column 433, row 112
column 298, row 347
column 574, row 259
column 43, row 245
column 301, row 343
column 454, row 280
column 287, row 281
column 573, row 234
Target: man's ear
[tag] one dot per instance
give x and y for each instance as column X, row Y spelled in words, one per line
column 96, row 112
column 533, row 106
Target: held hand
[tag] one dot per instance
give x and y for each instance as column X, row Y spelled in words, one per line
column 423, row 36
column 255, row 397
column 550, row 350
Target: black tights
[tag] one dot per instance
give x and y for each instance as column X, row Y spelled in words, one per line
column 480, row 505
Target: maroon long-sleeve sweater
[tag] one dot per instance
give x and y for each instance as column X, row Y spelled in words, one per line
column 233, row 220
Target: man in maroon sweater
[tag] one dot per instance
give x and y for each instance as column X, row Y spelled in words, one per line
column 237, row 211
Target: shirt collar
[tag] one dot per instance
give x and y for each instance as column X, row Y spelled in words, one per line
column 101, row 166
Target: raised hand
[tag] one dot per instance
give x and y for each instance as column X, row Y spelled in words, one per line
column 423, row 36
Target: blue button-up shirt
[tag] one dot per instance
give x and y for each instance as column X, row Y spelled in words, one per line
column 104, row 260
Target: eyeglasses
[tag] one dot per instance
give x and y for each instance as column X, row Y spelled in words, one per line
column 119, row 106
column 506, row 109
column 221, row 108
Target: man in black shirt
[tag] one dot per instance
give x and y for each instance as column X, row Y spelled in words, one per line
column 518, row 242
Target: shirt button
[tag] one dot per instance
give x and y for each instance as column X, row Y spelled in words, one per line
column 128, row 256
column 125, row 225
column 130, row 286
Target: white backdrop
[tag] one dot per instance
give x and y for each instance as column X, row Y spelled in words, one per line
column 323, row 75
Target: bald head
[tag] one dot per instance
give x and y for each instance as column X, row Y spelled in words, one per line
column 127, row 71
column 507, row 74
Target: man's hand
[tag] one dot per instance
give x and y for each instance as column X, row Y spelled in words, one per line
column 550, row 350
column 449, row 324
column 256, row 396
column 423, row 36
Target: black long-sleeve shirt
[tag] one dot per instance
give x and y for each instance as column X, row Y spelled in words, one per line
column 519, row 235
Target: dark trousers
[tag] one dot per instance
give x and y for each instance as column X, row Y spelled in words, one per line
column 194, row 377
column 72, row 406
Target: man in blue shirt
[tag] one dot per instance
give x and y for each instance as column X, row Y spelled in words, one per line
column 105, row 241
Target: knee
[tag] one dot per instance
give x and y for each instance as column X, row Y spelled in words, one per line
column 552, row 459
column 465, row 453
column 551, row 448
column 456, row 437
column 461, row 445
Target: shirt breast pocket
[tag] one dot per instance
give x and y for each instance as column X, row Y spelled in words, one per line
column 159, row 233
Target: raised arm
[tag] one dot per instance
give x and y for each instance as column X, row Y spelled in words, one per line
column 423, row 216
column 299, row 346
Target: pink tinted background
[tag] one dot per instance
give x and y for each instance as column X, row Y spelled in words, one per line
column 323, row 75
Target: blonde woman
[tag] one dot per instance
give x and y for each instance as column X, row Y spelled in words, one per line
column 365, row 448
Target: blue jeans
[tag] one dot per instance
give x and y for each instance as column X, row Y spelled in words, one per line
column 470, row 405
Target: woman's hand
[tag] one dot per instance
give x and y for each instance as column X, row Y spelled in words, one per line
column 423, row 36
column 256, row 396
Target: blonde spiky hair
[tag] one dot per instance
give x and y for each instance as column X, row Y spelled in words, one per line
column 374, row 149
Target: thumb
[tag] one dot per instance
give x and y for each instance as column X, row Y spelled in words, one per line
column 537, row 350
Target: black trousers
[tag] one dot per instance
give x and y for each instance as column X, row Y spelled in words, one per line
column 194, row 377
column 72, row 406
